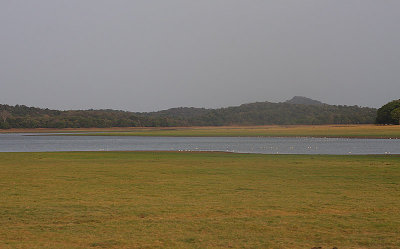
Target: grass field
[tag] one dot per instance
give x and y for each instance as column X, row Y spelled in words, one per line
column 350, row 131
column 198, row 200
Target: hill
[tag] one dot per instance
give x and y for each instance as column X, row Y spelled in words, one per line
column 299, row 110
column 303, row 101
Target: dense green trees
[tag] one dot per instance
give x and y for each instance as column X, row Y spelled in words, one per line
column 396, row 115
column 389, row 113
column 260, row 113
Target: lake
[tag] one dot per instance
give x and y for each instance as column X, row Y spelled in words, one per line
column 22, row 142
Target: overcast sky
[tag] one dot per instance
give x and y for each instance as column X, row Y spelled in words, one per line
column 155, row 54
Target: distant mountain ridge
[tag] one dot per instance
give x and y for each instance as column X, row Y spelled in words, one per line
column 299, row 100
column 298, row 110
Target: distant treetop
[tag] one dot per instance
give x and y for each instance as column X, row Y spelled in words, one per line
column 299, row 100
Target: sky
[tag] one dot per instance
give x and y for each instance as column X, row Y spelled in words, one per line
column 149, row 55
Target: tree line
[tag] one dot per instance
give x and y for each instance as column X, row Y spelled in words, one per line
column 259, row 113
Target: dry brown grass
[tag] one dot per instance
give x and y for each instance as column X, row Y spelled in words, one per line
column 351, row 131
column 198, row 200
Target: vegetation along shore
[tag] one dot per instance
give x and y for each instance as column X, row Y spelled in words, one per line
column 339, row 131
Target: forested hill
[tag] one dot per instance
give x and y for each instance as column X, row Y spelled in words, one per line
column 303, row 101
column 259, row 113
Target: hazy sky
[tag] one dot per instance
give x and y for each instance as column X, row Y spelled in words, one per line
column 156, row 54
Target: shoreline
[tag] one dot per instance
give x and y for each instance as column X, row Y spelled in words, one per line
column 368, row 131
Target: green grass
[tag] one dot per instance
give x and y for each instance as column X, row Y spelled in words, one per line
column 198, row 200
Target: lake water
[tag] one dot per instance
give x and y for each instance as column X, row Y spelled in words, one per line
column 265, row 145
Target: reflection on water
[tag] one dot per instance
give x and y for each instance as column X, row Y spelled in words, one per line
column 264, row 145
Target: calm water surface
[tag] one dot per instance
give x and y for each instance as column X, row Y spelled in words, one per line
column 265, row 145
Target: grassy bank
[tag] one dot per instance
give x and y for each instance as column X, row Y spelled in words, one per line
column 198, row 200
column 349, row 131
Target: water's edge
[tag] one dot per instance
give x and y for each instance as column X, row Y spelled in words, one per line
column 28, row 142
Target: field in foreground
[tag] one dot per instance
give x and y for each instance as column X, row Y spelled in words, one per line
column 348, row 131
column 198, row 200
